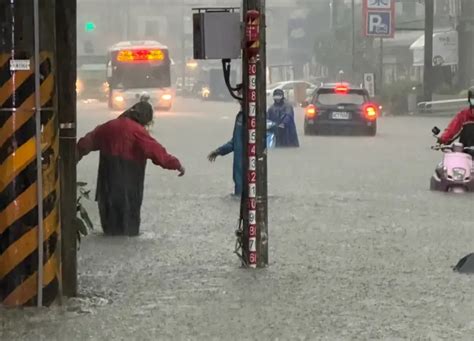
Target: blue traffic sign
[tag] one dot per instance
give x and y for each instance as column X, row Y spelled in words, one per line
column 379, row 24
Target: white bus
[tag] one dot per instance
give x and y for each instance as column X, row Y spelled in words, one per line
column 137, row 67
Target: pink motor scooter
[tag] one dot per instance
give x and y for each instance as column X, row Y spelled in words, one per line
column 455, row 173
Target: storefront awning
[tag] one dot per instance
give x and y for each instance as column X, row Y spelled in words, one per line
column 445, row 49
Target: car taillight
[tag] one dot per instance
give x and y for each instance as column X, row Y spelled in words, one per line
column 311, row 111
column 341, row 88
column 370, row 112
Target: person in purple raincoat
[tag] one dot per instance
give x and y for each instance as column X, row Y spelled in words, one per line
column 282, row 114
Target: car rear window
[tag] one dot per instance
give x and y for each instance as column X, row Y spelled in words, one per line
column 331, row 98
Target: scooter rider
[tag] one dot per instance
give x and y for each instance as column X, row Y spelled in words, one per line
column 282, row 115
column 462, row 126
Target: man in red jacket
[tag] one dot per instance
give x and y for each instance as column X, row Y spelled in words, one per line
column 125, row 146
column 462, row 125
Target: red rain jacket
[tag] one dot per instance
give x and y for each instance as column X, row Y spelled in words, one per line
column 124, row 146
column 462, row 122
column 128, row 140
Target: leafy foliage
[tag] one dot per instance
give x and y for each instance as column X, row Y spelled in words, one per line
column 83, row 222
column 394, row 96
column 333, row 46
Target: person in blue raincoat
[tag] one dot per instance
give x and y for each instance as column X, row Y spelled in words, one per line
column 235, row 145
column 282, row 114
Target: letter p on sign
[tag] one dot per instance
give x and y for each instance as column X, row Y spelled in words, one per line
column 379, row 24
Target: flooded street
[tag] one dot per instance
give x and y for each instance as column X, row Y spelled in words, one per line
column 360, row 249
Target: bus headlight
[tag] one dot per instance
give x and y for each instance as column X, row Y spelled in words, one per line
column 105, row 87
column 166, row 97
column 119, row 99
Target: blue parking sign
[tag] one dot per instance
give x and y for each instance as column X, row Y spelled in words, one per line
column 379, row 24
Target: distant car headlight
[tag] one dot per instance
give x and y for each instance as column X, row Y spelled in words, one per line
column 206, row 92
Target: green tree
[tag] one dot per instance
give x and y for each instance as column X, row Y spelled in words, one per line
column 333, row 48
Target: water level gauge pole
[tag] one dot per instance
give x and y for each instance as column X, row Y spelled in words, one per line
column 255, row 232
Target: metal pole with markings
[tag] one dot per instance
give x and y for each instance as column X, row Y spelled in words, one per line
column 66, row 94
column 255, row 234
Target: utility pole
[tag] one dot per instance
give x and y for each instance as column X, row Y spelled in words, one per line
column 381, row 73
column 262, row 167
column 428, row 68
column 183, row 45
column 128, row 20
column 466, row 44
column 66, row 78
column 334, row 14
column 353, row 41
column 29, row 177
column 255, row 198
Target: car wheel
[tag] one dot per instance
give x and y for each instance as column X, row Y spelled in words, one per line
column 372, row 131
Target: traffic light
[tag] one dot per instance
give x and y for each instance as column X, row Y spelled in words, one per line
column 89, row 26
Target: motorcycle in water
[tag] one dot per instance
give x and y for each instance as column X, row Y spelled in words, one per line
column 455, row 173
column 271, row 139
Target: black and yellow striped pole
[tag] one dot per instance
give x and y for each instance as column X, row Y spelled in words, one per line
column 29, row 178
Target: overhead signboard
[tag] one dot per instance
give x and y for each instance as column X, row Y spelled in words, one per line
column 379, row 18
column 445, row 49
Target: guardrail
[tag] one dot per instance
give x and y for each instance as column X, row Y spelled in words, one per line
column 444, row 106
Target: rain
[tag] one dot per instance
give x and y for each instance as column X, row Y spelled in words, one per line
column 361, row 245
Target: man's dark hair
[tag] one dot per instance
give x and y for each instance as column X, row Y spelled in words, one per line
column 142, row 113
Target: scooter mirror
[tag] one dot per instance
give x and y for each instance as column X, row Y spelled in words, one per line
column 436, row 131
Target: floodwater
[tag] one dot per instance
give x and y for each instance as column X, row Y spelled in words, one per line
column 360, row 249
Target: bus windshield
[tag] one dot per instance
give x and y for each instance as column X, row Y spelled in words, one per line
column 141, row 76
column 139, row 68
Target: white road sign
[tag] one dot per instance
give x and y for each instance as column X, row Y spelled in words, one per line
column 20, row 65
column 369, row 83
